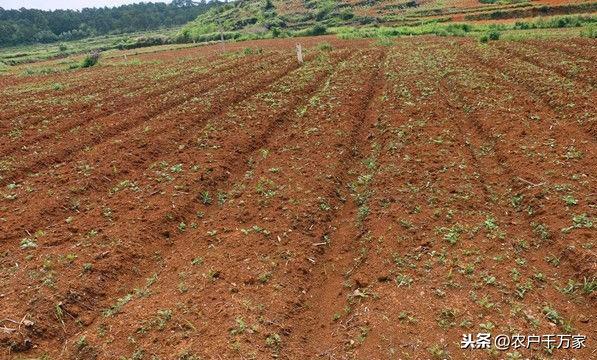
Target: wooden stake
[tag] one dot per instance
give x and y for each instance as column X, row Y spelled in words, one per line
column 299, row 53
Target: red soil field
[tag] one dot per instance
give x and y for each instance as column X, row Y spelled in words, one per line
column 375, row 202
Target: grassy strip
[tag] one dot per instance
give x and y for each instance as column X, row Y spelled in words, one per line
column 32, row 53
column 423, row 13
column 436, row 27
column 534, row 11
column 464, row 29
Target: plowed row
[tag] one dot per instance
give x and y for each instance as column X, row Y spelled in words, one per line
column 373, row 202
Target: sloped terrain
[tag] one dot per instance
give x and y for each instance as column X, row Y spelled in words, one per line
column 259, row 16
column 373, row 202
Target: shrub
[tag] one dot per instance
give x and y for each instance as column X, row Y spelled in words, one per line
column 494, row 35
column 90, row 60
column 346, row 15
column 322, row 14
column 318, row 30
column 453, row 30
column 366, row 20
column 522, row 25
column 215, row 36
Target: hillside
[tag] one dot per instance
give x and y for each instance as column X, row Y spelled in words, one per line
column 377, row 201
column 27, row 26
column 390, row 196
column 250, row 17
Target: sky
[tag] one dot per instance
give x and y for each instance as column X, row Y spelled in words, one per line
column 66, row 4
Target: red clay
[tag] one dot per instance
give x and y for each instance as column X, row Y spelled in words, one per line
column 375, row 202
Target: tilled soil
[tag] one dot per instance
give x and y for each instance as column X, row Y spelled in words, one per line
column 374, row 202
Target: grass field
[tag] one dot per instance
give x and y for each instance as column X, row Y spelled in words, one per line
column 521, row 20
column 377, row 201
column 25, row 54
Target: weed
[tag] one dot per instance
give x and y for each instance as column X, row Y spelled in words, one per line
column 384, row 41
column 403, row 280
column 572, row 153
column 485, row 302
column 115, row 309
column 324, row 206
column 205, row 198
column 552, row 315
column 515, row 274
column 553, row 260
column 251, row 51
column 438, row 352
column 522, row 289
column 81, row 343
column 176, row 168
column 273, row 341
column 222, row 197
column 490, row 223
column 266, row 187
column 447, row 318
column 125, row 184
column 570, row 287
column 452, row 234
column 138, row 354
column 489, row 280
column 240, row 327
column 163, row 316
column 589, row 286
column 59, row 313
column 362, row 213
column 188, row 355
column 213, row 275
column 28, row 243
column 578, row 222
column 517, row 201
column 590, row 32
column 541, row 230
column 91, row 59
column 324, row 46
column 407, row 317
column 363, row 333
column 570, row 200
column 264, row 277
column 488, row 326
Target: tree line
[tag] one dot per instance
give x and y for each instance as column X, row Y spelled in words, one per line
column 26, row 26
